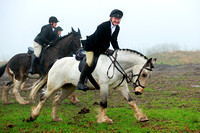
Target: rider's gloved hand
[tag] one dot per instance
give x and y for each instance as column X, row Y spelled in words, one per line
column 52, row 43
column 109, row 52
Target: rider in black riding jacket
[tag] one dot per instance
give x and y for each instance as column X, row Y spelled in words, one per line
column 58, row 31
column 99, row 42
column 46, row 37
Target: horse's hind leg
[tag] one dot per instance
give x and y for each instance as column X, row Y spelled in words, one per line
column 66, row 91
column 36, row 110
column 5, row 90
column 138, row 113
column 23, row 83
column 102, row 117
column 16, row 92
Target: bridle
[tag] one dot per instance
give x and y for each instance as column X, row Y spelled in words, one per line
column 137, row 82
column 125, row 76
column 71, row 47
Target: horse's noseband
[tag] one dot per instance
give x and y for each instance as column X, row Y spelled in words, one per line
column 137, row 80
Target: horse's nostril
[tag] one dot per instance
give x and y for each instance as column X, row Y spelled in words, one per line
column 138, row 93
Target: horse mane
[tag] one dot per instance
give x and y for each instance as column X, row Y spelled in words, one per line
column 134, row 51
column 64, row 36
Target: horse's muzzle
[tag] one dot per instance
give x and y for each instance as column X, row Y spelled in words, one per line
column 138, row 93
column 138, row 90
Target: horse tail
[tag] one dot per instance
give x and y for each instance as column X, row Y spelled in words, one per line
column 40, row 83
column 2, row 69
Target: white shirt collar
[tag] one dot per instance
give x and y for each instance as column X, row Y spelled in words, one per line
column 113, row 27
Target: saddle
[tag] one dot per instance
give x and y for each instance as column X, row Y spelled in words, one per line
column 30, row 51
column 80, row 56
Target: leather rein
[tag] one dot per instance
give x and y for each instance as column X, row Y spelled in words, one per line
column 121, row 70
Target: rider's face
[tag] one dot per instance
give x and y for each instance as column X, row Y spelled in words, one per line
column 115, row 21
column 59, row 32
column 54, row 25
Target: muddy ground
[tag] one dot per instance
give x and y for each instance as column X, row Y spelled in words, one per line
column 175, row 81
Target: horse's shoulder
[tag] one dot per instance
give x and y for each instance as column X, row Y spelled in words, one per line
column 103, row 58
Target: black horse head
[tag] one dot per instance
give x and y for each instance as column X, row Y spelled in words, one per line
column 65, row 46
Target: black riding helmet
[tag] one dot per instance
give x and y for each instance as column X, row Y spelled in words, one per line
column 59, row 28
column 116, row 13
column 53, row 19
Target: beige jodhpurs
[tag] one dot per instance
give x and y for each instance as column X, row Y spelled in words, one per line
column 89, row 57
column 37, row 49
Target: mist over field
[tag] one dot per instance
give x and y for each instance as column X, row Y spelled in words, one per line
column 171, row 54
column 148, row 26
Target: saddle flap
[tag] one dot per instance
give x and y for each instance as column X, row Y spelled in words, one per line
column 93, row 65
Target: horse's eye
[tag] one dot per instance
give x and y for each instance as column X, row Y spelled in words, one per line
column 144, row 75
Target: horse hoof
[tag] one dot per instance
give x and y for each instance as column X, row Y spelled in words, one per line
column 57, row 120
column 110, row 121
column 7, row 103
column 28, row 120
column 107, row 121
column 74, row 102
column 144, row 119
column 25, row 103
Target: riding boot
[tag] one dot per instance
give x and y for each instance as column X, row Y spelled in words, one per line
column 84, row 73
column 33, row 62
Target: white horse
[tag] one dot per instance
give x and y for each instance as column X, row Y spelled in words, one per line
column 64, row 74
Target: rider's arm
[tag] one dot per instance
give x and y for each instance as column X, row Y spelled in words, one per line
column 44, row 33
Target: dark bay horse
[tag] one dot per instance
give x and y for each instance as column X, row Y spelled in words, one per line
column 19, row 65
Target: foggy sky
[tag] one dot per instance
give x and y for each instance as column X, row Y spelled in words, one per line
column 145, row 24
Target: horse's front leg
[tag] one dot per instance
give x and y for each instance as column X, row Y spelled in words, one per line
column 102, row 117
column 138, row 113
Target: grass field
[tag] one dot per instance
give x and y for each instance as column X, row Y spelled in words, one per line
column 171, row 102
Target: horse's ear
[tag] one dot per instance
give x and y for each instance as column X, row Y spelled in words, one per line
column 154, row 60
column 79, row 32
column 73, row 30
column 148, row 63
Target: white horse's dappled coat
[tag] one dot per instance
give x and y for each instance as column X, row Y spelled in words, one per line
column 65, row 74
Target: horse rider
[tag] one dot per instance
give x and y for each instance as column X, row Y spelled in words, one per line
column 46, row 37
column 99, row 42
column 58, row 31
